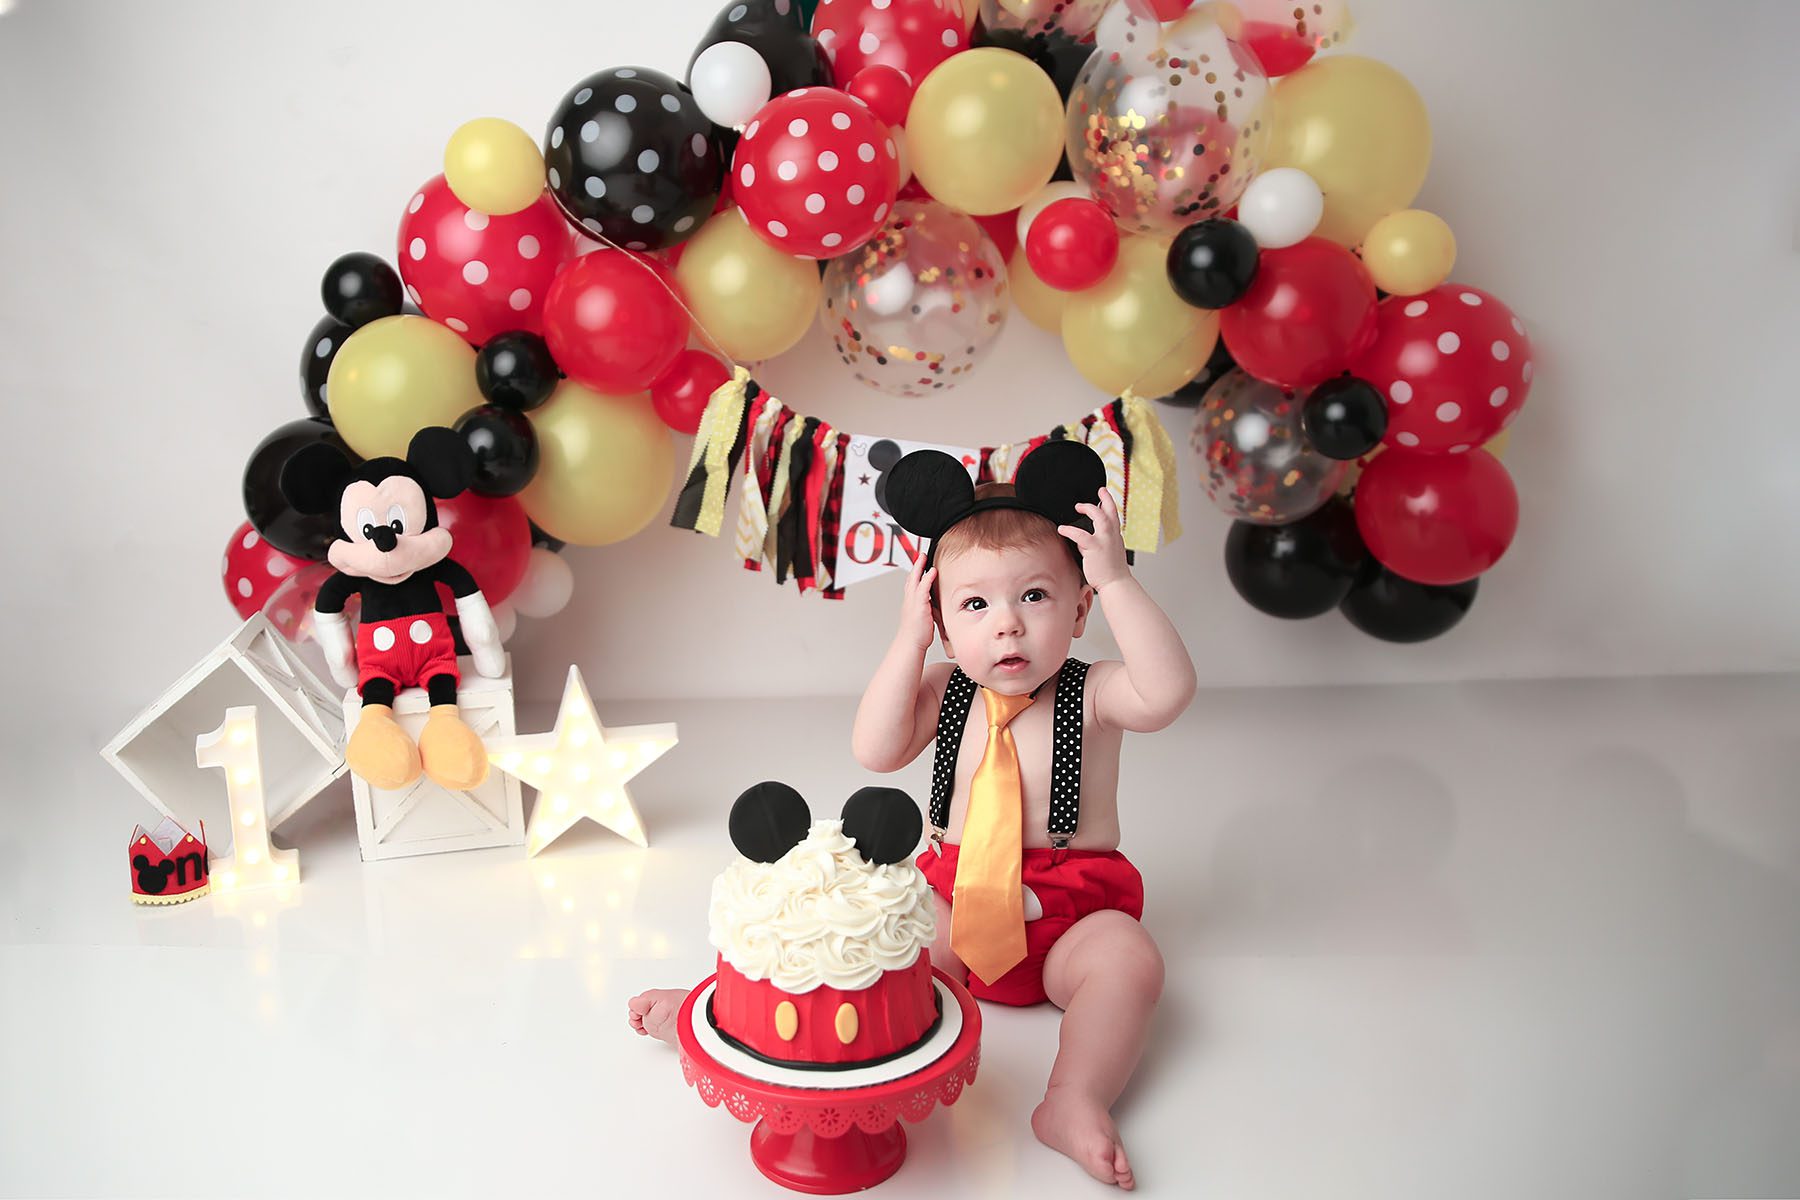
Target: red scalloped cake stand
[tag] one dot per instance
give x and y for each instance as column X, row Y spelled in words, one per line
column 827, row 1141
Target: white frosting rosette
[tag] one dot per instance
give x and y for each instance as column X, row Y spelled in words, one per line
column 821, row 916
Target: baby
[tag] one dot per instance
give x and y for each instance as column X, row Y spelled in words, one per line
column 1044, row 904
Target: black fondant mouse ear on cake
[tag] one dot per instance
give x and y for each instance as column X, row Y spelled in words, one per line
column 927, row 491
column 1056, row 477
column 768, row 820
column 883, row 822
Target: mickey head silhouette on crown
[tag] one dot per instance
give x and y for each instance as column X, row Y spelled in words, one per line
column 929, row 492
column 771, row 818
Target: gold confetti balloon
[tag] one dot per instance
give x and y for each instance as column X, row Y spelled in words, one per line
column 1166, row 124
column 920, row 303
column 1254, row 460
column 1076, row 18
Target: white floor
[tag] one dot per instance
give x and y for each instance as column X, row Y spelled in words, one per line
column 1513, row 940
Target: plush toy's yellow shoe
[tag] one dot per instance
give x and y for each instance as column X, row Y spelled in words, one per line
column 453, row 754
column 379, row 750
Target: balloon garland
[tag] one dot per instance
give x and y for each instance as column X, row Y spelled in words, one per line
column 1200, row 203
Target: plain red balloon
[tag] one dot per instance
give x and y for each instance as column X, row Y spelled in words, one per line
column 1308, row 312
column 1436, row 518
column 613, row 322
column 910, row 35
column 886, row 90
column 1072, row 244
column 680, row 395
column 1003, row 230
column 491, row 536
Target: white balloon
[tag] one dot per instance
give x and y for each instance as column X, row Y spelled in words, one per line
column 506, row 619
column 1280, row 207
column 1047, row 195
column 730, row 82
column 546, row 587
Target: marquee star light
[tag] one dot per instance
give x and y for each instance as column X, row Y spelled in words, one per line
column 580, row 769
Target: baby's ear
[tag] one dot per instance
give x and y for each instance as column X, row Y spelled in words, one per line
column 1056, row 477
column 884, row 823
column 768, row 820
column 927, row 491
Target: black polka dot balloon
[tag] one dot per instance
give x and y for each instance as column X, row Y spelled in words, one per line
column 630, row 157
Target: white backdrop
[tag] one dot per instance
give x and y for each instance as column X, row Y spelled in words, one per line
column 177, row 175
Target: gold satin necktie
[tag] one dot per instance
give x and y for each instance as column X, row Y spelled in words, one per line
column 987, row 915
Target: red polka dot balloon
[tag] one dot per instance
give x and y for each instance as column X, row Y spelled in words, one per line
column 1454, row 365
column 909, row 35
column 253, row 569
column 815, row 173
column 480, row 274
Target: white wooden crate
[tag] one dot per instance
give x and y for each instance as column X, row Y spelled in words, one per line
column 424, row 818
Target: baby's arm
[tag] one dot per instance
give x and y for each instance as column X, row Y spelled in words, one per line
column 898, row 714
column 1155, row 682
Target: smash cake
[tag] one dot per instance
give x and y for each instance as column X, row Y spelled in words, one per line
column 823, row 931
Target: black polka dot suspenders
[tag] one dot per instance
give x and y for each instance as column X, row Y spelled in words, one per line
column 1065, row 759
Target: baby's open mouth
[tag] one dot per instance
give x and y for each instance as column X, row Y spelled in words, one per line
column 1012, row 662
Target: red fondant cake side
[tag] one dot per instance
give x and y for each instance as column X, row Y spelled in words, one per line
column 889, row 1016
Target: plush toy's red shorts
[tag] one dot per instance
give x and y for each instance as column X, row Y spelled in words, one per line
column 407, row 652
column 1085, row 881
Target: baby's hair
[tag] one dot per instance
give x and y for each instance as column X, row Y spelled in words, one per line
column 1002, row 529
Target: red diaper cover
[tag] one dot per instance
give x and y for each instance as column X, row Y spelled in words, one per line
column 407, row 651
column 1085, row 881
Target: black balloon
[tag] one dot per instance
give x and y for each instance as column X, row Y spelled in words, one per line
column 359, row 288
column 1191, row 393
column 315, row 361
column 775, row 30
column 630, row 156
column 505, row 448
column 1211, row 263
column 272, row 516
column 1303, row 569
column 516, row 370
column 539, row 538
column 1344, row 418
column 1383, row 605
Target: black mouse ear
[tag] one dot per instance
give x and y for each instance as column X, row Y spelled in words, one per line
column 442, row 460
column 927, row 491
column 884, row 823
column 884, row 454
column 768, row 820
column 1056, row 477
column 314, row 477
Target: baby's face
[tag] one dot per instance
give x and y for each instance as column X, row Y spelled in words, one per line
column 1007, row 616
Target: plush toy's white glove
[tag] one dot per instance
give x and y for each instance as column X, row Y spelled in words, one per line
column 333, row 631
column 482, row 634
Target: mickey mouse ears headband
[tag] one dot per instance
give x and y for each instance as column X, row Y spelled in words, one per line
column 929, row 492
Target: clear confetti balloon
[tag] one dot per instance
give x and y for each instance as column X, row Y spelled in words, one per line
column 1167, row 123
column 1254, row 460
column 1076, row 18
column 920, row 303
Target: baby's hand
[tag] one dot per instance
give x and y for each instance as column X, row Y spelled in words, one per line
column 917, row 625
column 1102, row 551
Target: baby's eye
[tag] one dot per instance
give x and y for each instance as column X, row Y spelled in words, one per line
column 1033, row 595
column 974, row 604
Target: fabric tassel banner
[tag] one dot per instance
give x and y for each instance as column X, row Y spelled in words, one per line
column 809, row 498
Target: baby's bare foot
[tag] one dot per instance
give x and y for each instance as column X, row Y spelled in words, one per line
column 653, row 1012
column 1082, row 1129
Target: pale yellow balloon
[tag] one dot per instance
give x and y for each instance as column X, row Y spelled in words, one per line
column 1132, row 331
column 1497, row 444
column 1042, row 304
column 1361, row 131
column 493, row 166
column 395, row 376
column 985, row 130
column 749, row 297
column 1409, row 252
column 604, row 465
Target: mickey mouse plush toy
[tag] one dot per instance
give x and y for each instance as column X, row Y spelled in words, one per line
column 392, row 550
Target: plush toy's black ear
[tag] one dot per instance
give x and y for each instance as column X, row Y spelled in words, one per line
column 927, row 491
column 768, row 820
column 883, row 822
column 1056, row 477
column 313, row 478
column 442, row 460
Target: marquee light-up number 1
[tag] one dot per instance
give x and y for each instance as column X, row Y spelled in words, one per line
column 232, row 747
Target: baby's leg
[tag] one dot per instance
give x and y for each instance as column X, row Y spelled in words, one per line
column 1106, row 975
column 942, row 957
column 653, row 1013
